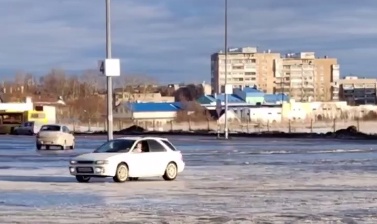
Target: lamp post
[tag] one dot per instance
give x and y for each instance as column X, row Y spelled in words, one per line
column 109, row 78
column 226, row 68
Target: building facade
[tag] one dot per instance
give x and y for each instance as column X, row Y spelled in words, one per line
column 306, row 78
column 246, row 67
column 303, row 76
column 356, row 91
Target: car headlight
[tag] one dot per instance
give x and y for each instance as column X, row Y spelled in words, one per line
column 72, row 162
column 100, row 162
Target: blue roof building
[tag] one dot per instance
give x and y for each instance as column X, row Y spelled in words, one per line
column 209, row 99
column 275, row 98
column 247, row 96
column 154, row 107
column 250, row 95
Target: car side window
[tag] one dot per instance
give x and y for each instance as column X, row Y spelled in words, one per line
column 144, row 146
column 65, row 129
column 155, row 146
column 169, row 145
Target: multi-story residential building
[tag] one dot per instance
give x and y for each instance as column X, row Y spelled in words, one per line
column 246, row 67
column 306, row 78
column 358, row 91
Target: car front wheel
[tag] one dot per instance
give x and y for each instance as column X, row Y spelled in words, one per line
column 171, row 172
column 82, row 179
column 121, row 174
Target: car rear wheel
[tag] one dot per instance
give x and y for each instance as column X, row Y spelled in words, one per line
column 133, row 178
column 121, row 174
column 171, row 172
column 39, row 147
column 72, row 146
column 82, row 179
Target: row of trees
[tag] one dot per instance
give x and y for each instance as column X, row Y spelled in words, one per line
column 84, row 94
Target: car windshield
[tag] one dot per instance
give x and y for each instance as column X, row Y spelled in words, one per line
column 50, row 128
column 118, row 145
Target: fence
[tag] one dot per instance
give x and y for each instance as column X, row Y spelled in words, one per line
column 309, row 126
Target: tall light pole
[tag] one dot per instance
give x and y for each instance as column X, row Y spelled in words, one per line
column 226, row 68
column 109, row 78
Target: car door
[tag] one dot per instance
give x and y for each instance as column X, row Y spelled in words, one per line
column 138, row 161
column 157, row 158
column 67, row 136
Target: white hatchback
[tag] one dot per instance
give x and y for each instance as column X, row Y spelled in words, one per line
column 129, row 158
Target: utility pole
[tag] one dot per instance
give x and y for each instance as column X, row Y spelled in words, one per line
column 226, row 68
column 109, row 78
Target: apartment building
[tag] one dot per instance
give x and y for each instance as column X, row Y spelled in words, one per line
column 246, row 67
column 306, row 78
column 358, row 91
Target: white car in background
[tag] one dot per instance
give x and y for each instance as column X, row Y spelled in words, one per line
column 55, row 135
column 129, row 158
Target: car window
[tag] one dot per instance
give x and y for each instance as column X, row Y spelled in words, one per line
column 171, row 146
column 155, row 146
column 144, row 146
column 50, row 128
column 117, row 145
column 65, row 129
column 28, row 124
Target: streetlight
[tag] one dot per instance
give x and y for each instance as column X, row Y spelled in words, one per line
column 109, row 78
column 226, row 68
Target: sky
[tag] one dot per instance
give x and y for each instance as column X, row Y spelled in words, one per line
column 172, row 40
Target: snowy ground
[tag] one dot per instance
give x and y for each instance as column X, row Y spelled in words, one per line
column 242, row 181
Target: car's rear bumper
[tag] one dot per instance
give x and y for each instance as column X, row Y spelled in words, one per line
column 48, row 142
column 181, row 166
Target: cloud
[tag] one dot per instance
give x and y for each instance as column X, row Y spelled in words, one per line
column 172, row 40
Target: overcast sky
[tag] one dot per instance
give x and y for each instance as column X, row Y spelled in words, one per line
column 172, row 39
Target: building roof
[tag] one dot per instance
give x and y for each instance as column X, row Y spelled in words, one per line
column 232, row 98
column 251, row 90
column 273, row 98
column 155, row 107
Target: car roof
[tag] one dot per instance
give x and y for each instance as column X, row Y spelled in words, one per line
column 142, row 138
column 53, row 125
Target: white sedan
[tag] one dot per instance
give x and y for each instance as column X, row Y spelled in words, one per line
column 129, row 158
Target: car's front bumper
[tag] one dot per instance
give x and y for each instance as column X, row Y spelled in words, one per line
column 91, row 170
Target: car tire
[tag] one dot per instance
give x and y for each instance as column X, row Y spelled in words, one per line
column 171, row 172
column 121, row 174
column 133, row 178
column 72, row 146
column 47, row 147
column 39, row 147
column 82, row 179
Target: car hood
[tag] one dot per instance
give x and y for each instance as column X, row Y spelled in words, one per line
column 96, row 156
